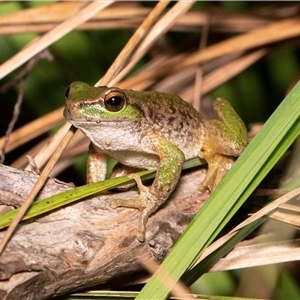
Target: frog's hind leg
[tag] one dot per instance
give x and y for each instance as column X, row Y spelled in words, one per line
column 218, row 166
column 225, row 139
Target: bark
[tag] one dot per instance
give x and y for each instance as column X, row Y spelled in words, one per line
column 87, row 243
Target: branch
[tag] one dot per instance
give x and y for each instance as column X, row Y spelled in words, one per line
column 86, row 243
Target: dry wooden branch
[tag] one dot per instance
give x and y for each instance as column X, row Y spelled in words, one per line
column 86, row 243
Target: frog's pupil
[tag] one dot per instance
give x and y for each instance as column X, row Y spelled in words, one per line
column 115, row 101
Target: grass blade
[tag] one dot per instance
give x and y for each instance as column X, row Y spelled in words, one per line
column 260, row 156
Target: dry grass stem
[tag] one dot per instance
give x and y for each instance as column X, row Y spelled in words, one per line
column 272, row 192
column 78, row 145
column 33, row 129
column 199, row 68
column 268, row 208
column 289, row 218
column 259, row 255
column 242, row 42
column 272, row 33
column 290, row 207
column 161, row 27
column 44, row 18
column 45, row 153
column 128, row 50
column 228, row 71
column 269, row 34
column 261, row 213
column 50, row 37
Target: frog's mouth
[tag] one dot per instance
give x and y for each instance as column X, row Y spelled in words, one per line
column 67, row 115
column 90, row 124
column 79, row 120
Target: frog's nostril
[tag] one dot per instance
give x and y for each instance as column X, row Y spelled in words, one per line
column 67, row 92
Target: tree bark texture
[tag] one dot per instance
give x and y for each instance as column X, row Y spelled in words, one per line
column 86, row 243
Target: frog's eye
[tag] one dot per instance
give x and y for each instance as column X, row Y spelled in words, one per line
column 114, row 101
column 67, row 92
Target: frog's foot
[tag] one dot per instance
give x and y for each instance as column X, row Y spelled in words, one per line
column 218, row 166
column 145, row 202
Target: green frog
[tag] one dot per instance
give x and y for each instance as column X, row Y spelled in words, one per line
column 153, row 130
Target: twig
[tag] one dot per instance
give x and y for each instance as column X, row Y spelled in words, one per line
column 21, row 79
column 14, row 119
column 45, row 54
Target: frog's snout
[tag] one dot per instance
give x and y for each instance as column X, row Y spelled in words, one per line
column 67, row 114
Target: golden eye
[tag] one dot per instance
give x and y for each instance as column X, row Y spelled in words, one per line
column 114, row 100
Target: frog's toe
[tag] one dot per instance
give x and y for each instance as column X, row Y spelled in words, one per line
column 209, row 181
column 212, row 179
column 137, row 179
column 218, row 166
column 139, row 203
column 205, row 185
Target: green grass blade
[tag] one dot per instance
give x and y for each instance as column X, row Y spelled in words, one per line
column 121, row 295
column 260, row 156
column 64, row 198
column 53, row 202
column 204, row 266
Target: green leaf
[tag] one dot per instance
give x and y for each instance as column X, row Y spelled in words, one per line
column 259, row 157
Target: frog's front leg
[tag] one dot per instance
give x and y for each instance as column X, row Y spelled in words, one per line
column 96, row 165
column 225, row 139
column 167, row 176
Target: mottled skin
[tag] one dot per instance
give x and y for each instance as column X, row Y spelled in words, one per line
column 153, row 130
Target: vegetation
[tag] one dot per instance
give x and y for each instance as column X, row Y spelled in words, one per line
column 246, row 52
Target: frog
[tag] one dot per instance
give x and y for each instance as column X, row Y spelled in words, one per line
column 153, row 130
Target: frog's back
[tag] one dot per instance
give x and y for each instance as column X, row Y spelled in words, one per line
column 171, row 117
